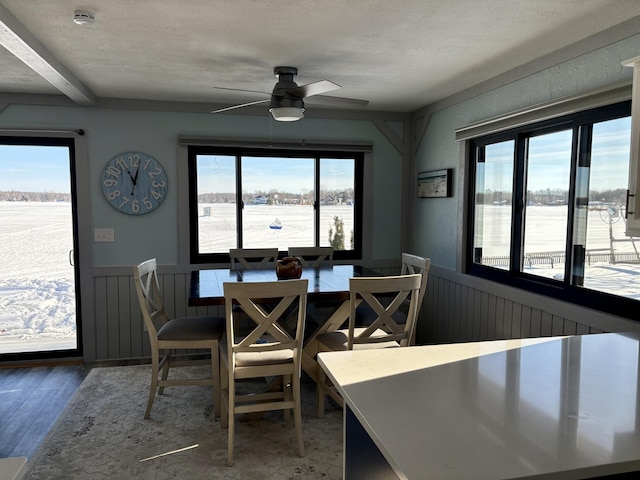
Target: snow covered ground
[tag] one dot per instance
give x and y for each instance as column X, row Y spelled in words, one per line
column 37, row 292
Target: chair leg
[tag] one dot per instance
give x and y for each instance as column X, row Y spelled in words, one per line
column 224, row 396
column 320, row 393
column 231, row 425
column 165, row 370
column 287, row 386
column 215, row 372
column 154, row 384
column 297, row 412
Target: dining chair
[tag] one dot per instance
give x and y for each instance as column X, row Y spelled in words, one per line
column 269, row 350
column 383, row 332
column 252, row 258
column 411, row 264
column 167, row 335
column 313, row 256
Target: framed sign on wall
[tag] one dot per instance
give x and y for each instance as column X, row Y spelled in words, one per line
column 436, row 183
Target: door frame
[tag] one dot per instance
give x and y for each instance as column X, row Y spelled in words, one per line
column 81, row 215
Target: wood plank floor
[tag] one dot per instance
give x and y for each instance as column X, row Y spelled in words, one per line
column 31, row 400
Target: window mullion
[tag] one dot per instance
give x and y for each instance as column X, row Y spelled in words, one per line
column 579, row 199
column 316, row 201
column 239, row 200
column 519, row 189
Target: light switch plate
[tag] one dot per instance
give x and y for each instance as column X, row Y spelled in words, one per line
column 103, row 235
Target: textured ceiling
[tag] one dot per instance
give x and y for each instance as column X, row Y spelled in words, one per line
column 399, row 55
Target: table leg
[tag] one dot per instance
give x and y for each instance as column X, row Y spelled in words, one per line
column 311, row 346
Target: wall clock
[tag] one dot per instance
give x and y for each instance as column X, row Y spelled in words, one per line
column 134, row 183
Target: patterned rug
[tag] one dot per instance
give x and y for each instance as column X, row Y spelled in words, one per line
column 102, row 435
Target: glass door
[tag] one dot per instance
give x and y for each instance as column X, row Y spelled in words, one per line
column 38, row 304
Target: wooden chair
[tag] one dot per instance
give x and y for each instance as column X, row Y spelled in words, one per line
column 313, row 256
column 179, row 333
column 310, row 257
column 252, row 258
column 411, row 264
column 267, row 351
column 414, row 264
column 383, row 332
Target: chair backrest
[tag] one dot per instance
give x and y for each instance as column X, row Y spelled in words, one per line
column 313, row 256
column 269, row 333
column 149, row 297
column 414, row 264
column 252, row 258
column 374, row 292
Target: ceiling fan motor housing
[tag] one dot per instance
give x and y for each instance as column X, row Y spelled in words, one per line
column 281, row 95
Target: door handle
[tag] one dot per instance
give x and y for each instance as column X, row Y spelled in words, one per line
column 71, row 258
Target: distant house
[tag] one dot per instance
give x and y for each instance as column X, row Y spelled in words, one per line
column 260, row 200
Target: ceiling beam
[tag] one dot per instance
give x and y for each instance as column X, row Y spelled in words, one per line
column 21, row 43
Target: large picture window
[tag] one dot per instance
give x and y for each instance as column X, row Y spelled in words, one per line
column 547, row 207
column 258, row 198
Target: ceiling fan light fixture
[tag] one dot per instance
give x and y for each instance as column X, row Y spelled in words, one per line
column 287, row 114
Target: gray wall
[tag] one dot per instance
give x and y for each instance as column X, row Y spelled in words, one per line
column 462, row 308
column 111, row 325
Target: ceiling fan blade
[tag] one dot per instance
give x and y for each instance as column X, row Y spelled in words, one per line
column 314, row 88
column 240, row 106
column 337, row 101
column 242, row 90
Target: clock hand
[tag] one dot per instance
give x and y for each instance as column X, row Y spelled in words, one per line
column 134, row 180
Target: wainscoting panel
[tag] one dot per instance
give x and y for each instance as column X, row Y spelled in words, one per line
column 457, row 308
column 461, row 308
column 120, row 332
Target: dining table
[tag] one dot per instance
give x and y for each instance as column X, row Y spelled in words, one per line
column 327, row 285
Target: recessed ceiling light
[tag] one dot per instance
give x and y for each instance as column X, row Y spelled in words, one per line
column 84, row 17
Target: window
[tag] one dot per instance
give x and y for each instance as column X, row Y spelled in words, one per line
column 259, row 198
column 547, row 209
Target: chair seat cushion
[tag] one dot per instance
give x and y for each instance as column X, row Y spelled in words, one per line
column 338, row 340
column 250, row 359
column 193, row 328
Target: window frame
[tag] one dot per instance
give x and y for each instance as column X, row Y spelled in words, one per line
column 317, row 154
column 564, row 289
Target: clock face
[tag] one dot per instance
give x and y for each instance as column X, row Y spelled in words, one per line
column 134, row 183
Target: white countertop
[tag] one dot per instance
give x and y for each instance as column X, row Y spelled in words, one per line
column 12, row 468
column 561, row 408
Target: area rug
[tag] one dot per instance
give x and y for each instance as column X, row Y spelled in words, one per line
column 102, row 435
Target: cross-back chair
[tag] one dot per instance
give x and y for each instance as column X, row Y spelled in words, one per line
column 269, row 350
column 252, row 258
column 383, row 332
column 313, row 256
column 166, row 335
column 414, row 264
column 411, row 264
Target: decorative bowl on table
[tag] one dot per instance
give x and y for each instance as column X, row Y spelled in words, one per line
column 288, row 268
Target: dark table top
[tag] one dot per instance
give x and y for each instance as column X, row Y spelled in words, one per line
column 324, row 282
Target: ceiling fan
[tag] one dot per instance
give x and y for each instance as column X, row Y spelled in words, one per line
column 286, row 102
